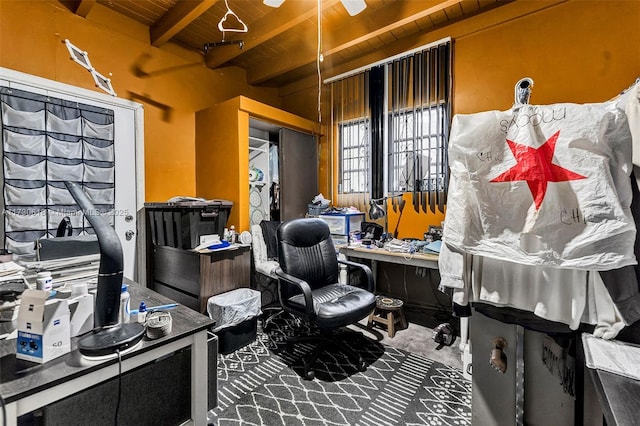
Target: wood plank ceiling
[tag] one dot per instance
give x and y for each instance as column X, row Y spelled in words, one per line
column 280, row 46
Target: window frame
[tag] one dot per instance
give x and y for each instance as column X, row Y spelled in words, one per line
column 435, row 178
column 365, row 144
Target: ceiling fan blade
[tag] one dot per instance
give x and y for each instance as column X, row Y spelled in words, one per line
column 354, row 6
column 273, row 3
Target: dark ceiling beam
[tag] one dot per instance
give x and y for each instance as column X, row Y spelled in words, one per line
column 84, row 7
column 287, row 16
column 177, row 18
column 352, row 32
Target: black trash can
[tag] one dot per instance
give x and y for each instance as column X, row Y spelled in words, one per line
column 236, row 315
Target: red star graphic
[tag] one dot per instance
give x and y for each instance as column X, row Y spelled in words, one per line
column 535, row 167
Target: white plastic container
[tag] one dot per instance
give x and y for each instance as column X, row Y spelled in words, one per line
column 44, row 281
column 125, row 304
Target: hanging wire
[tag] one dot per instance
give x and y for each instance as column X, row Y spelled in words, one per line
column 318, row 60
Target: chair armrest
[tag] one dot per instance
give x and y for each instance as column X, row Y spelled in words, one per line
column 268, row 268
column 304, row 287
column 365, row 269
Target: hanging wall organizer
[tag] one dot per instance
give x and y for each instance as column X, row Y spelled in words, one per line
column 45, row 142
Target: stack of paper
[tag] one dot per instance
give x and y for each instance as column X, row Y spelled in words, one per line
column 10, row 271
column 65, row 270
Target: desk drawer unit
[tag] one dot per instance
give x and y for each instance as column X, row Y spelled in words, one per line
column 190, row 278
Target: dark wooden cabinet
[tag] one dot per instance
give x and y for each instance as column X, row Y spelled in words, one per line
column 191, row 278
column 188, row 277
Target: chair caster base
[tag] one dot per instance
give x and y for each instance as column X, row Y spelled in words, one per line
column 362, row 366
column 309, row 375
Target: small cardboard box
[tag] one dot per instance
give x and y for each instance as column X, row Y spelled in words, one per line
column 43, row 327
column 81, row 311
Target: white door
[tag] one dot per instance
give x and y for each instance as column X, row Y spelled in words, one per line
column 128, row 145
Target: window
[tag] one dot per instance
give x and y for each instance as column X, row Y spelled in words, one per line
column 416, row 151
column 352, row 124
column 355, row 157
column 392, row 123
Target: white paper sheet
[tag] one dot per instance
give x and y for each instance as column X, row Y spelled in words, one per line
column 612, row 356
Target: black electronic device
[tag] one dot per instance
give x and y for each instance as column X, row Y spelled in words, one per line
column 433, row 234
column 444, row 335
column 108, row 336
column 371, row 231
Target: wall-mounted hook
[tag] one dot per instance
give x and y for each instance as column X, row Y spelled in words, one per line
column 522, row 92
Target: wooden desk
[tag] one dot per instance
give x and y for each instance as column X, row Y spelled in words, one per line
column 420, row 260
column 27, row 386
column 410, row 289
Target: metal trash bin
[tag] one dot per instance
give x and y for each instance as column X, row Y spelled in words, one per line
column 236, row 315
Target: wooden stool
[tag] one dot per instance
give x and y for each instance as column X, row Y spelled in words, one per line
column 388, row 311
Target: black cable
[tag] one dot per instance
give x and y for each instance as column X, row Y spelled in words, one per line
column 4, row 411
column 119, row 386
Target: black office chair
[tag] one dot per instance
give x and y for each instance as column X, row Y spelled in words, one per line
column 308, row 286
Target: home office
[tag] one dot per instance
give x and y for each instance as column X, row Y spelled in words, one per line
column 201, row 98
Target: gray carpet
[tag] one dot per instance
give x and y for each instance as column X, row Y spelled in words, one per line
column 258, row 385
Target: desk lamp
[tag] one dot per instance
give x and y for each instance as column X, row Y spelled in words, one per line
column 378, row 210
column 107, row 336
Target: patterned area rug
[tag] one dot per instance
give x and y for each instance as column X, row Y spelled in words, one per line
column 262, row 384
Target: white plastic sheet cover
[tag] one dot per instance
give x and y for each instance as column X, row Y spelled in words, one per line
column 233, row 307
column 543, row 185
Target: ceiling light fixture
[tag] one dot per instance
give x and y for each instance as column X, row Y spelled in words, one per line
column 353, row 7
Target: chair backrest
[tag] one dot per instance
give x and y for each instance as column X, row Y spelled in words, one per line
column 263, row 263
column 306, row 251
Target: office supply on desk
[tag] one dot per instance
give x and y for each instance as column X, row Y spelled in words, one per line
column 158, row 308
column 433, row 247
column 158, row 325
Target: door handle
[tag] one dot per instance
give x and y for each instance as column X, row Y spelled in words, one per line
column 129, row 234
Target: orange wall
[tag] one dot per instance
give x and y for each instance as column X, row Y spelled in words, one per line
column 172, row 83
column 222, row 148
column 575, row 51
